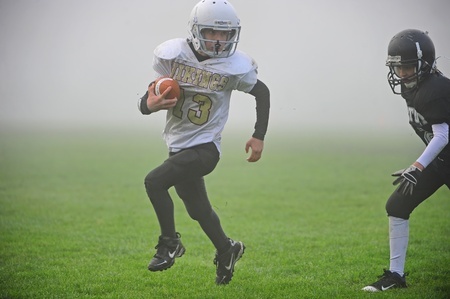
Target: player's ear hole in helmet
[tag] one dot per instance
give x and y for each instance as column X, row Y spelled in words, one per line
column 411, row 57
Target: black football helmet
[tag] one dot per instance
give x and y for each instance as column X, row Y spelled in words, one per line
column 409, row 48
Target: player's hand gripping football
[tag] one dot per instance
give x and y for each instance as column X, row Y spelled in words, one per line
column 407, row 178
column 257, row 146
column 156, row 103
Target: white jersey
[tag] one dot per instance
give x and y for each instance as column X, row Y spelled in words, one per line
column 202, row 109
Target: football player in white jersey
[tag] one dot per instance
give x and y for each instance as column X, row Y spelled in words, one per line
column 208, row 67
column 413, row 75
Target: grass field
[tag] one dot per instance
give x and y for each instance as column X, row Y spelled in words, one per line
column 75, row 221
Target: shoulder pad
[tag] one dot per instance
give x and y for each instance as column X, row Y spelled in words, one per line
column 169, row 49
column 240, row 63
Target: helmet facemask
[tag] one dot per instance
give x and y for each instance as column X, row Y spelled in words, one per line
column 215, row 48
column 417, row 68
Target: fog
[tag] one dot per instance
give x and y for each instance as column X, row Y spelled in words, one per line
column 81, row 64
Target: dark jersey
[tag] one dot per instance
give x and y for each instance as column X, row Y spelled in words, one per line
column 429, row 104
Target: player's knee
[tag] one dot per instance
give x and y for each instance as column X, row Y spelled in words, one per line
column 151, row 182
column 148, row 180
column 395, row 208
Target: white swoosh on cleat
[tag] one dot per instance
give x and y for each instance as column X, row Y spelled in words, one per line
column 231, row 263
column 172, row 254
column 387, row 288
column 162, row 263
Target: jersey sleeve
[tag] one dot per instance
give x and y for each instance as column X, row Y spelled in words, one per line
column 434, row 104
column 164, row 55
column 248, row 81
column 437, row 111
column 244, row 68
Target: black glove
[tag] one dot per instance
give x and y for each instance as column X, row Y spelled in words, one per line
column 407, row 180
column 398, row 172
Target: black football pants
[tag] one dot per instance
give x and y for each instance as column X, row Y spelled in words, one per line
column 185, row 171
column 432, row 178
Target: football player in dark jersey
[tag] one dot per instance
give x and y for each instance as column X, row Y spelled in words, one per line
column 413, row 75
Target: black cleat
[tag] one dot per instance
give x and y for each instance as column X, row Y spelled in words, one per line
column 167, row 250
column 389, row 280
column 226, row 261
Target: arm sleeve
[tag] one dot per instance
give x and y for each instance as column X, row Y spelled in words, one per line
column 142, row 104
column 262, row 96
column 439, row 141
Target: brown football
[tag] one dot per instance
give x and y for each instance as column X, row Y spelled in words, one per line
column 163, row 83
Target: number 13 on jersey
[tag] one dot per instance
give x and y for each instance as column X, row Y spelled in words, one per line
column 197, row 115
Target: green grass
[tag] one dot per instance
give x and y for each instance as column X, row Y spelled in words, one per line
column 75, row 221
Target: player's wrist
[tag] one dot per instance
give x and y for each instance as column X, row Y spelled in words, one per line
column 142, row 105
column 418, row 166
column 258, row 135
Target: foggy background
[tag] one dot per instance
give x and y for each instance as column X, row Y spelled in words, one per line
column 84, row 64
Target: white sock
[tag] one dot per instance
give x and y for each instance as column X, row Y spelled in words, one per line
column 398, row 242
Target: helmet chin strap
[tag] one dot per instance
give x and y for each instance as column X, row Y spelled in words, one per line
column 410, row 84
column 217, row 47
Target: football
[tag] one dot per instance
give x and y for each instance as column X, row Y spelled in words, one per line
column 161, row 85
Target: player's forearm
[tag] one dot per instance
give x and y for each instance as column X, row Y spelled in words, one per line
column 262, row 96
column 439, row 141
column 142, row 104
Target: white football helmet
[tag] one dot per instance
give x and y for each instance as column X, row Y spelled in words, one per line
column 218, row 15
